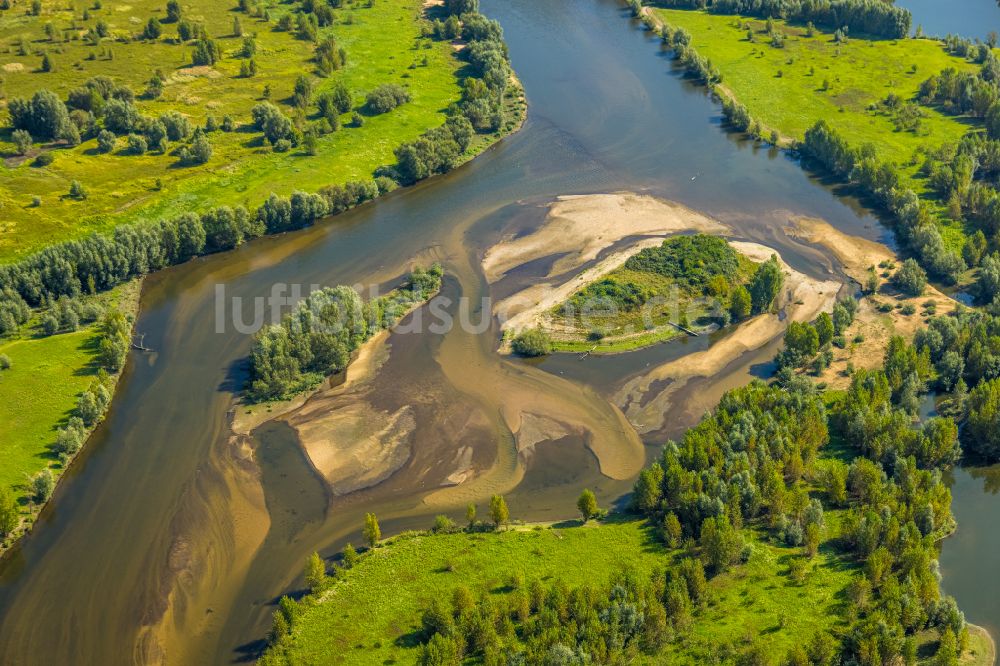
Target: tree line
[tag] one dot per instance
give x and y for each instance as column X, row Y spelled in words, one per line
column 317, row 338
column 481, row 108
column 873, row 17
column 101, row 262
column 913, row 221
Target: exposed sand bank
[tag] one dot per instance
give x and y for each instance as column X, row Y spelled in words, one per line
column 872, row 327
column 580, row 226
column 645, row 399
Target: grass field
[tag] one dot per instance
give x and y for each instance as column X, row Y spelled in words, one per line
column 40, row 389
column 372, row 615
column 382, row 43
column 789, row 89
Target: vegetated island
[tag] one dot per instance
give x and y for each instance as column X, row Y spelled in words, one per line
column 686, row 285
column 348, row 442
column 142, row 136
column 909, row 123
column 639, row 282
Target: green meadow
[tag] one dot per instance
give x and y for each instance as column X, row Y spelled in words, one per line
column 813, row 77
column 372, row 615
column 40, row 389
column 383, row 44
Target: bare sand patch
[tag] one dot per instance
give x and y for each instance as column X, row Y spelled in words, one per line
column 351, row 443
column 580, row 226
column 645, row 399
column 872, row 327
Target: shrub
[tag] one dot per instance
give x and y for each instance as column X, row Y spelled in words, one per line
column 22, row 141
column 910, row 278
column 4, row 362
column 106, row 141
column 137, row 144
column 532, row 342
column 44, row 159
column 77, row 191
column 385, row 98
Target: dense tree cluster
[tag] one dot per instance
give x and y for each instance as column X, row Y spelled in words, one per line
column 438, row 151
column 317, row 338
column 880, row 180
column 962, row 351
column 744, row 462
column 104, row 109
column 873, row 17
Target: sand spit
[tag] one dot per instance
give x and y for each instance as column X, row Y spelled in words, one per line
column 580, row 226
column 351, row 443
column 645, row 399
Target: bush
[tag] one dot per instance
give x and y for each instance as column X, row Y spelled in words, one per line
column 4, row 362
column 77, row 191
column 44, row 159
column 137, row 144
column 22, row 141
column 106, row 141
column 385, row 98
column 910, row 278
column 532, row 342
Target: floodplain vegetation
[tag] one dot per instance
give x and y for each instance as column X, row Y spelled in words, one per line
column 790, row 526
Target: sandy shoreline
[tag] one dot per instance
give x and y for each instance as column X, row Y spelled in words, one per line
column 873, row 326
column 580, row 227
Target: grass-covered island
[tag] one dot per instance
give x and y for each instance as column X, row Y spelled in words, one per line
column 687, row 282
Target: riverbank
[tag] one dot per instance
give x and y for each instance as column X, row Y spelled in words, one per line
column 349, row 442
column 982, row 648
column 40, row 391
column 786, row 77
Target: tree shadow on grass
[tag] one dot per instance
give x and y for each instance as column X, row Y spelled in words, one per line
column 411, row 639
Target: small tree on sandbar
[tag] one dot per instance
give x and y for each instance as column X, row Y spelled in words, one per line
column 587, row 504
column 498, row 511
column 372, row 533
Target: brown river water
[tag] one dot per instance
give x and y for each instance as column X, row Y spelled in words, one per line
column 166, row 542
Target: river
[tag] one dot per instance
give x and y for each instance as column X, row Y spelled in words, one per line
column 166, row 542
